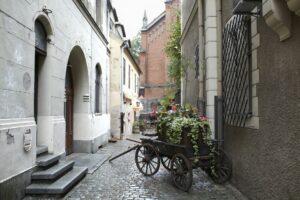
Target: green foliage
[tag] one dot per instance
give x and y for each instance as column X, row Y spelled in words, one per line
column 173, row 125
column 173, row 51
column 165, row 101
column 136, row 47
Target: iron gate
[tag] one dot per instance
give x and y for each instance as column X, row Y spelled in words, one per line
column 236, row 73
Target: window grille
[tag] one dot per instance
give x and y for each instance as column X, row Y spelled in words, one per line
column 237, row 71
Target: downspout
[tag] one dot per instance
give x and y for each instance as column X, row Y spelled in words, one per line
column 219, row 46
column 201, row 52
column 220, row 122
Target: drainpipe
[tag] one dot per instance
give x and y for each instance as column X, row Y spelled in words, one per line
column 219, row 117
column 201, row 52
column 219, row 46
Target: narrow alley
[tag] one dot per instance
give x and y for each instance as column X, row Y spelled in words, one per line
column 120, row 179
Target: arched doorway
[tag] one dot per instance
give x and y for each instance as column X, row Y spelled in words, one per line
column 77, row 97
column 40, row 56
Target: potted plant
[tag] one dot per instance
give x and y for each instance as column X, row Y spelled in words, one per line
column 136, row 127
column 184, row 127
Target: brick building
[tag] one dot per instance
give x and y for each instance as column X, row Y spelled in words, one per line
column 153, row 61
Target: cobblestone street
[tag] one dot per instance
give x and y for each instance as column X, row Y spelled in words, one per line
column 120, row 179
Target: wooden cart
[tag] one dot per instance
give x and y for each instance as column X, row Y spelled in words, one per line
column 180, row 161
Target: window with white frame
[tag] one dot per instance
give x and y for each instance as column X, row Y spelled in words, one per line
column 129, row 76
column 98, row 89
column 124, row 71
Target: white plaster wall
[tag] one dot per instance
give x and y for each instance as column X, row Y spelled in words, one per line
column 115, row 81
column 70, row 28
column 14, row 159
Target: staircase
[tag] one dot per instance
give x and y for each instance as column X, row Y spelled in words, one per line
column 54, row 177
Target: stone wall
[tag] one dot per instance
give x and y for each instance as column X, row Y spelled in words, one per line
column 265, row 157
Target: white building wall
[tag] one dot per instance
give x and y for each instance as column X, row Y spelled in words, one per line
column 70, row 28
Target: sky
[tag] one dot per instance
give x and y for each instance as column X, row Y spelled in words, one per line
column 131, row 13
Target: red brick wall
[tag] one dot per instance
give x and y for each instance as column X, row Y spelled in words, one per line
column 153, row 61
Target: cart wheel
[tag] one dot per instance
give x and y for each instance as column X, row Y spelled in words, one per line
column 223, row 167
column 147, row 159
column 182, row 172
column 166, row 162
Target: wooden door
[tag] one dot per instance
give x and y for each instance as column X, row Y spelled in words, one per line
column 69, row 112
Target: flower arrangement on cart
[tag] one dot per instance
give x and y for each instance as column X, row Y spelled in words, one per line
column 183, row 142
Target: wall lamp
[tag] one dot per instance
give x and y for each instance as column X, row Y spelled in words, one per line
column 46, row 10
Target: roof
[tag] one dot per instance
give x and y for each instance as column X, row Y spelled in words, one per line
column 155, row 21
column 122, row 28
column 133, row 60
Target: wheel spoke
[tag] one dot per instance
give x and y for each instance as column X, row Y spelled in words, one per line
column 152, row 165
column 156, row 162
column 225, row 168
column 143, row 165
column 223, row 173
column 169, row 162
column 150, row 168
column 147, row 168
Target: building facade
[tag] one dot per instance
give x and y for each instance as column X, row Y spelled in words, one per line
column 153, row 61
column 201, row 52
column 262, row 139
column 54, row 82
column 248, row 74
column 124, row 81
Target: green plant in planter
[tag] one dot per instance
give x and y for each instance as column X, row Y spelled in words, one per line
column 172, row 126
column 142, row 125
column 136, row 127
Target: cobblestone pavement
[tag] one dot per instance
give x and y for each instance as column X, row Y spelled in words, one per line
column 120, row 179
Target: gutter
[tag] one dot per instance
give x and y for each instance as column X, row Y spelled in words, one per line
column 201, row 50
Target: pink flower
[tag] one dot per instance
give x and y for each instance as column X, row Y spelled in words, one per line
column 203, row 118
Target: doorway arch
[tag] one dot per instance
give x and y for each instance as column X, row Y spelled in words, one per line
column 76, row 91
column 42, row 79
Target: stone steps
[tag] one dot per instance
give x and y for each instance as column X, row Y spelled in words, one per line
column 54, row 176
column 45, row 160
column 60, row 186
column 41, row 150
column 53, row 172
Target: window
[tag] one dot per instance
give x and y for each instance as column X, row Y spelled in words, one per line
column 132, row 78
column 142, row 92
column 129, row 76
column 237, row 82
column 124, row 71
column 135, row 83
column 111, row 25
column 40, row 38
column 98, row 89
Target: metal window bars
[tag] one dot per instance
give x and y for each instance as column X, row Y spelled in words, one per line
column 236, row 72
